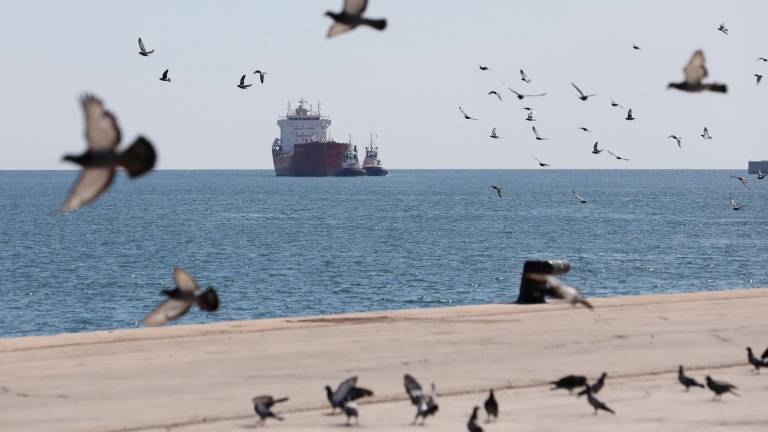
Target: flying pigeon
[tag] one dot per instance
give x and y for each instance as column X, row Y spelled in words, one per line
column 687, row 381
column 557, row 289
column 723, row 29
column 262, row 405
column 594, row 387
column 494, row 92
column 706, row 134
column 616, row 104
column 101, row 158
column 754, row 361
column 617, row 156
column 347, row 391
column 629, row 115
column 743, row 180
column 579, row 197
column 758, row 78
column 536, row 133
column 541, row 164
column 737, row 207
column 596, row 403
column 524, row 77
column 677, row 139
column 530, row 116
column 523, row 96
column 143, row 51
column 181, row 298
column 484, row 68
column 242, row 84
column 491, row 407
column 261, row 74
column 467, row 116
column 720, row 387
column 497, row 189
column 596, row 150
column 695, row 72
column 426, row 404
column 762, row 59
column 165, row 76
column 636, row 47
column 582, row 128
column 569, row 382
column 472, row 425
column 351, row 16
column 582, row 96
column 493, row 134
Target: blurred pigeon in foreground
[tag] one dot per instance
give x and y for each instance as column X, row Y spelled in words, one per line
column 263, row 407
column 720, row 387
column 557, row 289
column 569, row 382
column 596, row 403
column 695, row 72
column 491, row 407
column 101, row 158
column 181, row 298
column 426, row 404
column 346, row 391
column 472, row 425
column 351, row 16
column 687, row 381
column 594, row 387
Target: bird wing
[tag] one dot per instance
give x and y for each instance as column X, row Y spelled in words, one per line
column 462, row 111
column 141, row 46
column 358, row 392
column 91, row 183
column 267, row 400
column 242, row 80
column 537, row 95
column 578, row 89
column 355, row 7
column 695, row 71
column 578, row 196
column 165, row 74
column 101, row 129
column 184, row 281
column 413, row 388
column 594, row 148
column 535, row 132
column 261, row 77
column 523, row 75
column 765, row 354
column 514, row 91
column 168, row 310
column 342, row 391
column 629, row 113
column 338, row 28
column 493, row 131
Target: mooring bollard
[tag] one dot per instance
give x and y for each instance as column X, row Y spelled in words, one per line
column 532, row 291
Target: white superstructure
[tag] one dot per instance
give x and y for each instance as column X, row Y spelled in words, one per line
column 301, row 125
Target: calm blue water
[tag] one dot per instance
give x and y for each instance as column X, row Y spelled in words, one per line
column 293, row 246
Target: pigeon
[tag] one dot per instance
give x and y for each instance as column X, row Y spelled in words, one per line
column 494, row 92
column 101, row 158
column 536, row 133
column 569, row 382
column 165, row 76
column 491, row 407
column 261, row 74
column 582, row 128
column 596, row 150
column 754, row 361
column 350, row 409
column 497, row 189
column 762, row 59
column 524, row 77
column 735, row 206
column 743, row 180
column 527, row 108
column 523, row 96
column 557, row 289
column 629, row 115
column 758, row 78
column 579, row 197
column 695, row 72
column 617, row 156
column 346, row 391
column 242, row 84
column 636, row 47
column 720, row 387
column 472, row 425
column 616, row 104
column 687, row 381
column 181, row 298
column 760, row 176
column 541, row 164
column 530, row 116
column 677, row 139
column 706, row 134
column 765, row 354
column 596, row 403
column 582, row 96
column 723, row 28
column 426, row 404
column 351, row 16
column 493, row 134
column 484, row 68
column 263, row 407
column 467, row 116
column 143, row 51
column 594, row 387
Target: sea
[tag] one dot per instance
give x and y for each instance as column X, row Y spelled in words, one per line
column 281, row 246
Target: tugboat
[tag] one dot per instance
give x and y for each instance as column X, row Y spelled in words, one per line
column 350, row 167
column 372, row 164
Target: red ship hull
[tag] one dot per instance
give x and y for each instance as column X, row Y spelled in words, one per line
column 311, row 159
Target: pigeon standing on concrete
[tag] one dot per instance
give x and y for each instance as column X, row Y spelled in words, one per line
column 754, row 361
column 472, row 425
column 263, row 407
column 491, row 407
column 687, row 381
column 181, row 298
column 596, row 403
column 594, row 387
column 695, row 72
column 346, row 391
column 351, row 16
column 569, row 382
column 720, row 387
column 101, row 158
column 426, row 404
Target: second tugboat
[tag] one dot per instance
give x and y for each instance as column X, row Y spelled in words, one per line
column 350, row 167
column 372, row 163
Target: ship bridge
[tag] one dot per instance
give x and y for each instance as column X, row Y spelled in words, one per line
column 302, row 124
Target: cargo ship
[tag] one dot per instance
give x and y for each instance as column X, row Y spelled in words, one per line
column 304, row 148
column 372, row 163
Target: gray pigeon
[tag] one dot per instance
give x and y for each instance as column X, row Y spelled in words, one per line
column 720, row 387
column 472, row 425
column 165, row 76
column 596, row 403
column 491, row 407
column 754, row 361
column 594, row 387
column 347, row 391
column 687, row 381
column 351, row 16
column 426, row 404
column 262, row 405
column 181, row 298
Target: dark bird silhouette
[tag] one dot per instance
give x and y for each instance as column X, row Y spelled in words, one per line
column 617, row 156
column 579, row 197
column 720, row 387
column 616, row 104
column 677, row 139
column 426, row 404
column 491, row 407
column 595, row 387
column 351, row 16
column 754, row 361
column 484, row 68
column 181, row 298
column 629, row 115
column 536, row 133
column 472, row 425
column 582, row 128
column 541, row 164
column 596, row 150
column 743, row 180
column 695, row 72
column 494, row 92
column 765, row 354
column 346, row 391
column 350, row 410
column 723, row 28
column 242, row 84
column 497, row 189
column 101, row 158
column 261, row 74
column 143, row 51
column 762, row 59
column 596, row 403
column 557, row 289
column 524, row 77
column 569, row 382
column 758, row 78
column 523, row 96
column 165, row 76
column 493, row 134
column 737, row 207
column 262, row 405
column 687, row 381
column 706, row 134
column 636, row 47
column 467, row 116
column 530, row 116
column 582, row 96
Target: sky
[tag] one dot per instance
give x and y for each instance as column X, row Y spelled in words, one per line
column 404, row 83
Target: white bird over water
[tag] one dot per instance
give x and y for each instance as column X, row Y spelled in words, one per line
column 735, row 206
column 579, row 197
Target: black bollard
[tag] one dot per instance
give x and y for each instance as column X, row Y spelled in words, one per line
column 532, row 291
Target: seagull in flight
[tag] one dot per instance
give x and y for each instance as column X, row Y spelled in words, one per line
column 743, row 180
column 524, row 77
column 617, row 156
column 523, row 96
column 706, row 134
column 629, row 115
column 181, row 298
column 758, row 78
column 165, row 76
column 616, row 104
column 261, row 74
column 484, row 68
column 242, row 84
column 530, row 116
column 723, row 28
column 494, row 92
column 735, row 206
column 676, row 138
column 351, row 16
column 538, row 137
column 143, row 51
column 493, row 134
column 541, row 164
column 467, row 116
column 695, row 72
column 760, row 176
column 497, row 188
column 582, row 96
column 596, row 150
column 579, row 197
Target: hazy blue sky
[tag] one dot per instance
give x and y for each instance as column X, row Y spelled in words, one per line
column 404, row 83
